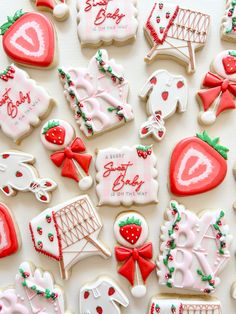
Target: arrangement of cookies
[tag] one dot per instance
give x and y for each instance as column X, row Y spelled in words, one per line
column 194, row 249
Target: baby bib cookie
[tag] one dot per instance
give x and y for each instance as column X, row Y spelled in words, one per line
column 131, row 231
column 126, row 176
column 219, row 86
column 17, row 174
column 29, row 39
column 23, row 103
column 59, row 8
column 203, row 254
column 97, row 95
column 228, row 24
column 177, row 304
column 165, row 94
column 102, row 296
column 34, row 292
column 68, row 233
column 107, row 22
column 198, row 164
column 9, row 234
column 175, row 32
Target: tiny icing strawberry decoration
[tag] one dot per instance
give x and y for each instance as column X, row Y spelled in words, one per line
column 99, row 310
column 198, row 164
column 165, row 95
column 229, row 63
column 51, row 237
column 86, row 294
column 144, row 151
column 54, row 133
column 29, row 38
column 130, row 229
column 111, row 291
column 49, row 219
column 40, row 230
column 40, row 245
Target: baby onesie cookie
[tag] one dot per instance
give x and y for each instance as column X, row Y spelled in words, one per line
column 126, row 176
column 219, row 86
column 34, row 292
column 106, row 22
column 165, row 94
column 102, row 296
column 228, row 25
column 18, row 175
column 97, row 94
column 176, row 304
column 176, row 33
column 23, row 103
column 197, row 247
column 9, row 234
column 29, row 39
column 131, row 231
column 59, row 8
column 198, row 164
column 68, row 233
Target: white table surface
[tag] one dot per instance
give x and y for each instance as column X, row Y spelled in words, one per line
column 25, row 207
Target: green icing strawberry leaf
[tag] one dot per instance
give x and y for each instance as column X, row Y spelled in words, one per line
column 232, row 53
column 10, row 21
column 130, row 221
column 222, row 150
column 50, row 125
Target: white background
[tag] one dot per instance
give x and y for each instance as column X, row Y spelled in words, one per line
column 25, row 207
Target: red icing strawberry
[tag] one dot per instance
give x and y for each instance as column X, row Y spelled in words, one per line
column 40, row 245
column 144, row 130
column 130, row 229
column 198, row 164
column 161, row 6
column 111, row 291
column 158, row 19
column 162, row 30
column 229, row 62
column 153, row 80
column 10, row 244
column 180, row 84
column 143, row 151
column 49, row 219
column 165, row 95
column 5, row 156
column 40, row 230
column 51, row 237
column 19, row 174
column 167, row 15
column 86, row 294
column 6, row 189
column 28, row 38
column 54, row 133
column 99, row 310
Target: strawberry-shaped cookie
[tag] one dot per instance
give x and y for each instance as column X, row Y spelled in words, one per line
column 56, row 134
column 198, row 164
column 219, row 86
column 131, row 231
column 29, row 39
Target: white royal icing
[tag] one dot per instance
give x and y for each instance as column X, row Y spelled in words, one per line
column 228, row 25
column 125, row 177
column 17, row 174
column 106, row 20
column 65, row 233
column 102, row 294
column 102, row 100
column 69, row 134
column 22, row 104
column 25, row 300
column 167, row 304
column 165, row 94
column 196, row 249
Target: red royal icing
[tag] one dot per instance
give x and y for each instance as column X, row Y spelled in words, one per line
column 31, row 40
column 10, row 243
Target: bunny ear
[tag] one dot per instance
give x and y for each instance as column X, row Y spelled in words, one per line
column 47, row 184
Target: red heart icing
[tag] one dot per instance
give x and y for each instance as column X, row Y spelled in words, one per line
column 19, row 174
column 6, row 189
column 7, row 228
column 111, row 291
column 99, row 310
column 153, row 80
column 86, row 295
column 180, row 84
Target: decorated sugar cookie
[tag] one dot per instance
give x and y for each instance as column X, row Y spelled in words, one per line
column 105, row 22
column 59, row 8
column 102, row 296
column 176, row 304
column 68, row 233
column 165, row 94
column 97, row 94
column 176, row 32
column 34, row 292
column 228, row 25
column 134, row 254
column 29, row 39
column 126, row 176
column 200, row 257
column 18, row 175
column 219, row 86
column 198, row 164
column 23, row 103
column 9, row 238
